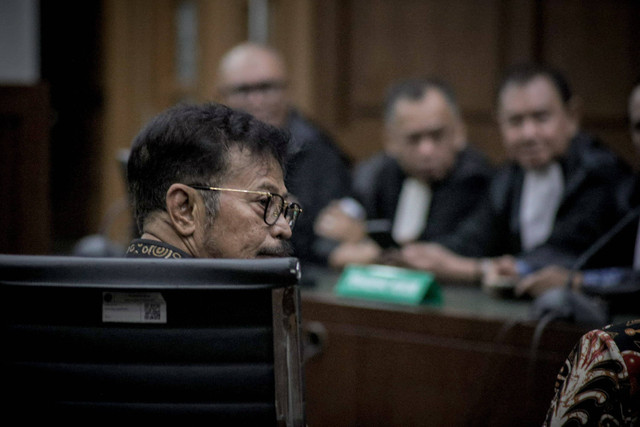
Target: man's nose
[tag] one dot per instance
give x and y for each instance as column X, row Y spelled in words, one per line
column 256, row 97
column 529, row 129
column 281, row 229
column 426, row 147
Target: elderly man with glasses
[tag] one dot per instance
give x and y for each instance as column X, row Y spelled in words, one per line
column 208, row 182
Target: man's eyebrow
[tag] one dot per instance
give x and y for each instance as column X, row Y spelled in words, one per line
column 269, row 187
column 428, row 131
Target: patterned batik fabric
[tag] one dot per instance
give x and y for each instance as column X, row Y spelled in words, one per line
column 144, row 248
column 599, row 382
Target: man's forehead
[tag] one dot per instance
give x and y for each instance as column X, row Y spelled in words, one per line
column 538, row 90
column 250, row 166
column 431, row 110
column 252, row 65
column 245, row 158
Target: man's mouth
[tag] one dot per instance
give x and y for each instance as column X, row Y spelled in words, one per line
column 285, row 249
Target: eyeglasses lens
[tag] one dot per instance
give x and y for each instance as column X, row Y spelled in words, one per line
column 273, row 209
column 291, row 214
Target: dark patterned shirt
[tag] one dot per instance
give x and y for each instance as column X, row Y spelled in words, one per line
column 599, row 382
column 145, row 248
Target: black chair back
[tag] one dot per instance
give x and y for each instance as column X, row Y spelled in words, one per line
column 118, row 339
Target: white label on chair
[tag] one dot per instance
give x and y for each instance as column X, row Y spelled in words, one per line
column 134, row 307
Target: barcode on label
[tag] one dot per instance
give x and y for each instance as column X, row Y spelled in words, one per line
column 151, row 311
column 134, row 307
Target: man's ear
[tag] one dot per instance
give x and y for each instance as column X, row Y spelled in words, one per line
column 574, row 110
column 181, row 206
column 461, row 135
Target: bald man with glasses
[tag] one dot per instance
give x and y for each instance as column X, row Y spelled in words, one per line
column 253, row 78
column 208, row 182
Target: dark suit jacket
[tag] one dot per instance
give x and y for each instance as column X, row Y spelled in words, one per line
column 621, row 248
column 317, row 173
column 619, row 286
column 378, row 181
column 589, row 207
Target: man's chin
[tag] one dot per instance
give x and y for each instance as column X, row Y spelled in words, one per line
column 430, row 175
column 533, row 158
column 534, row 163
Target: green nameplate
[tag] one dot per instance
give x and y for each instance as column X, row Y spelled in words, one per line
column 391, row 284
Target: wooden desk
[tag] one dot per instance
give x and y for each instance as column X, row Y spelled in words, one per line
column 461, row 364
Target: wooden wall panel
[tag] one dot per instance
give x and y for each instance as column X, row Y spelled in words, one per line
column 141, row 81
column 392, row 40
column 595, row 44
column 292, row 32
column 368, row 44
column 222, row 24
column 591, row 39
column 519, row 24
column 138, row 48
column 381, row 41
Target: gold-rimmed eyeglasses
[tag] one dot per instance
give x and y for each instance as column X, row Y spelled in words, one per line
column 274, row 204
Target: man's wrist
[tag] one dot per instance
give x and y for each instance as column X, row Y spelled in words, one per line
column 576, row 281
column 483, row 267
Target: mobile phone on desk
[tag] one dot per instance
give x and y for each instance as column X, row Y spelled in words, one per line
column 379, row 230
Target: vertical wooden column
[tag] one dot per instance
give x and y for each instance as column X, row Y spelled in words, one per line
column 139, row 54
column 293, row 31
column 138, row 59
column 222, row 24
